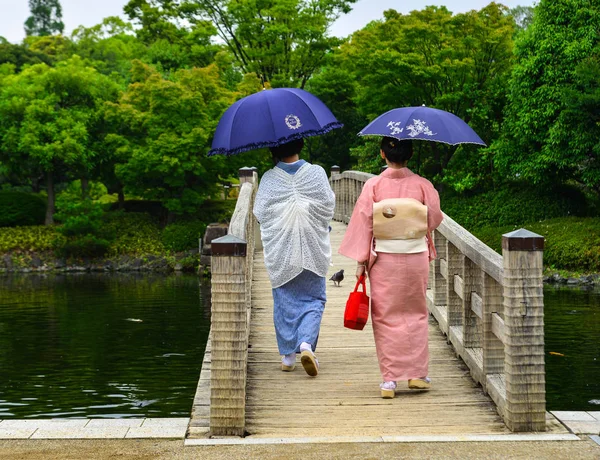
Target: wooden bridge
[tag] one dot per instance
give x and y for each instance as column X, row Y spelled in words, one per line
column 486, row 344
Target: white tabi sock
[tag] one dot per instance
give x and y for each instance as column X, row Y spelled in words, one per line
column 305, row 347
column 289, row 360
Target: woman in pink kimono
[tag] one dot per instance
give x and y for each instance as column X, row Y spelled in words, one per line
column 397, row 265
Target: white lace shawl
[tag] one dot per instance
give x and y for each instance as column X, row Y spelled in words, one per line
column 294, row 212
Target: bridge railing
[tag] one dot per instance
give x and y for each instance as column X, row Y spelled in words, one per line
column 231, row 287
column 490, row 306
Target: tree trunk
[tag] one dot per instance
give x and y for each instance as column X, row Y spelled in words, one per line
column 121, row 195
column 85, row 185
column 35, row 184
column 50, row 207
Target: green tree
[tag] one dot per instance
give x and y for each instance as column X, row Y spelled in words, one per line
column 337, row 88
column 109, row 47
column 19, row 56
column 162, row 131
column 282, row 41
column 45, row 19
column 523, row 16
column 550, row 134
column 171, row 44
column 49, row 121
column 459, row 63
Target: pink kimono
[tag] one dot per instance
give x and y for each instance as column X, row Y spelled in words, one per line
column 398, row 281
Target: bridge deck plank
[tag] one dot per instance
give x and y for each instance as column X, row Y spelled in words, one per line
column 344, row 399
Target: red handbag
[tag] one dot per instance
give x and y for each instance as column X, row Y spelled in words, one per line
column 357, row 307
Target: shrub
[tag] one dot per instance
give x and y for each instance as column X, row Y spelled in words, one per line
column 190, row 263
column 78, row 217
column 217, row 211
column 154, row 208
column 82, row 246
column 516, row 204
column 35, row 238
column 136, row 234
column 183, row 235
column 82, row 221
column 572, row 243
column 72, row 192
column 21, row 209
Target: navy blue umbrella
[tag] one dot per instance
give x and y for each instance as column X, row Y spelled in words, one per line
column 271, row 118
column 424, row 124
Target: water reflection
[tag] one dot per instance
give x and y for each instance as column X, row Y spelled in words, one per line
column 572, row 325
column 67, row 349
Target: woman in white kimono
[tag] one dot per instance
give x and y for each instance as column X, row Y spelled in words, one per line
column 294, row 206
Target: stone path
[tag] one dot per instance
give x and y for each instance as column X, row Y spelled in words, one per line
column 125, row 428
column 580, row 422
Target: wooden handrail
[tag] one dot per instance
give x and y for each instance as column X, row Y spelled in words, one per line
column 231, row 288
column 490, row 306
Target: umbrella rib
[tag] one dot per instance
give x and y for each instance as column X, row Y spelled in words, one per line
column 242, row 101
column 307, row 106
column 271, row 117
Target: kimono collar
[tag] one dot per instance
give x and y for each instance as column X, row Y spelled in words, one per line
column 391, row 173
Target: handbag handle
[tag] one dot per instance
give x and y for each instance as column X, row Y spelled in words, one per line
column 360, row 281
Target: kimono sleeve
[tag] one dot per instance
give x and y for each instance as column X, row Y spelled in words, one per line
column 431, row 199
column 358, row 240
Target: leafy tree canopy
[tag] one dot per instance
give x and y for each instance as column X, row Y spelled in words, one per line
column 551, row 132
column 162, row 132
column 459, row 63
column 45, row 19
column 523, row 16
column 48, row 119
column 20, row 56
column 282, row 41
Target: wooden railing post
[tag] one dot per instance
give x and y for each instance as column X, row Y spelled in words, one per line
column 232, row 258
column 345, row 199
column 246, row 174
column 438, row 285
column 493, row 348
column 335, row 186
column 229, row 341
column 525, row 379
column 454, row 263
column 472, row 332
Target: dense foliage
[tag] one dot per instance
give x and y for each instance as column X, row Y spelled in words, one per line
column 514, row 204
column 130, row 107
column 552, row 128
column 20, row 208
column 571, row 243
column 45, row 19
column 283, row 42
column 27, row 239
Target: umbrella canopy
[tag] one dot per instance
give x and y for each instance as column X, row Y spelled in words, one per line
column 271, row 118
column 424, row 124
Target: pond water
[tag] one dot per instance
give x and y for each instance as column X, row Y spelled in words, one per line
column 100, row 345
column 131, row 345
column 572, row 329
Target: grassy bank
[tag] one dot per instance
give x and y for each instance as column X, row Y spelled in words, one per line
column 565, row 217
column 136, row 237
column 572, row 246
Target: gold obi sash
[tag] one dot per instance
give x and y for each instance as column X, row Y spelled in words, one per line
column 400, row 225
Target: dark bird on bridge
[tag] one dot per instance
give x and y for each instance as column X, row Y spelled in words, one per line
column 337, row 277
